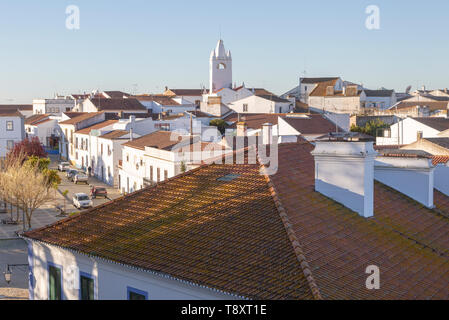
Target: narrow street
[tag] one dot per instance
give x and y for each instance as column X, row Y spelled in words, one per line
column 13, row 250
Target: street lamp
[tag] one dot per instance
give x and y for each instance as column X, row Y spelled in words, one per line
column 8, row 272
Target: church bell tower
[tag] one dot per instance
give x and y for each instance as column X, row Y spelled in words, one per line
column 220, row 68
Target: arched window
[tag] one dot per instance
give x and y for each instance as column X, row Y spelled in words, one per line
column 221, row 66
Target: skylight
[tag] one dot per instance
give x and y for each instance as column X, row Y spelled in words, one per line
column 229, row 177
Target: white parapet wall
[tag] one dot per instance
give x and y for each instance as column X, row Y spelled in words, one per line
column 413, row 177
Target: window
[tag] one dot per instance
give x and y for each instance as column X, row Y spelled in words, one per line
column 127, row 157
column 101, row 149
column 135, row 294
column 158, row 175
column 9, row 126
column 10, row 144
column 151, row 173
column 245, row 107
column 54, row 283
column 165, row 174
column 221, row 66
column 87, row 287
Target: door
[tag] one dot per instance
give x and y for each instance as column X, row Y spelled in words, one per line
column 54, row 283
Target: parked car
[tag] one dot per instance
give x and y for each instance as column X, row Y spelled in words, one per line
column 82, row 201
column 98, row 192
column 80, row 177
column 70, row 174
column 64, row 166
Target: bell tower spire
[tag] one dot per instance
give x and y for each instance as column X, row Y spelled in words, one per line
column 220, row 68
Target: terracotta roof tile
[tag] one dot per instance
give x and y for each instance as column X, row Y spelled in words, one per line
column 223, row 235
column 81, row 117
column 96, row 126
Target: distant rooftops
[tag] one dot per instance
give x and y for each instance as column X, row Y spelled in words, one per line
column 114, row 104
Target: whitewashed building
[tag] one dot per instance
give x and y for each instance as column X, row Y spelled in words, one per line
column 45, row 127
column 54, row 107
column 263, row 104
column 12, row 130
column 409, row 130
column 161, row 155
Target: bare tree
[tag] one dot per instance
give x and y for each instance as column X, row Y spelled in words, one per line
column 26, row 186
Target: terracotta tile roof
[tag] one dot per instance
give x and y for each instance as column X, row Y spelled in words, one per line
column 81, row 117
column 310, row 124
column 116, row 134
column 128, row 104
column 272, row 97
column 17, row 107
column 321, row 88
column 407, row 241
column 254, row 120
column 36, row 118
column 223, row 235
column 160, row 99
column 187, row 92
column 405, row 153
column 440, row 160
column 439, row 124
column 317, row 80
column 259, row 91
column 378, row 93
column 432, row 105
column 383, row 147
column 161, row 140
column 10, row 113
column 117, row 94
column 269, row 237
column 96, row 126
column 442, row 142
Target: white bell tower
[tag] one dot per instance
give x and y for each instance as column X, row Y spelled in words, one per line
column 220, row 68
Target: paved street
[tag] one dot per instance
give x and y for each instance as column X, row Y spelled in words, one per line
column 14, row 252
column 48, row 213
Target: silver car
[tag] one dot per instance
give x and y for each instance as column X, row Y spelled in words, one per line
column 81, row 177
column 64, row 166
column 82, row 201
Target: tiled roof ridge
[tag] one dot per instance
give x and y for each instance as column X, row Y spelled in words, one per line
column 292, row 236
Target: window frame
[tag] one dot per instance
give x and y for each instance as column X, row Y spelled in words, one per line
column 57, row 266
column 91, row 277
column 10, row 122
column 135, row 291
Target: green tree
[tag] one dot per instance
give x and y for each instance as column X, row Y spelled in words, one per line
column 371, row 128
column 53, row 178
column 220, row 124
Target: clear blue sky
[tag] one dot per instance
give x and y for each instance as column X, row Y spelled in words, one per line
column 158, row 43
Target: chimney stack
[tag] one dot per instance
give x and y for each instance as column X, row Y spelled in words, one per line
column 132, row 120
column 242, row 128
column 267, row 133
column 344, row 171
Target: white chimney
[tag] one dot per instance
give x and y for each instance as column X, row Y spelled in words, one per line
column 344, row 172
column 412, row 176
column 267, row 133
column 242, row 128
column 132, row 121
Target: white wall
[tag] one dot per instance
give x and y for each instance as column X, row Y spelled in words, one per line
column 14, row 136
column 111, row 280
column 410, row 176
column 260, row 105
column 441, row 178
column 407, row 133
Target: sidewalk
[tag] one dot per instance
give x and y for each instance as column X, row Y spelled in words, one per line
column 43, row 216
